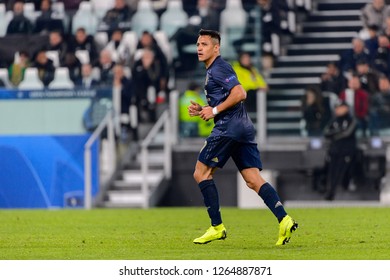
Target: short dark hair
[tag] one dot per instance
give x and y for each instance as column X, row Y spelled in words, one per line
column 212, row 33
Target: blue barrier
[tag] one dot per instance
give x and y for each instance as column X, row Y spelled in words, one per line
column 44, row 171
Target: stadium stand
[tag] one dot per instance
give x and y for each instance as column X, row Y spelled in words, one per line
column 232, row 27
column 173, row 18
column 31, row 80
column 61, row 79
column 145, row 18
column 85, row 17
column 4, row 78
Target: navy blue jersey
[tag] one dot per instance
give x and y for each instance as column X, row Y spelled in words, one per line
column 233, row 122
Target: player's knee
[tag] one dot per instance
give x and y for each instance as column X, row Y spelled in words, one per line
column 252, row 185
column 199, row 176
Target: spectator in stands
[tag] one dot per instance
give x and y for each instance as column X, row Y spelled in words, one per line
column 274, row 20
column 381, row 56
column 118, row 16
column 47, row 22
column 348, row 58
column 189, row 6
column 379, row 106
column 87, row 79
column 216, row 6
column 17, row 68
column 159, row 6
column 371, row 43
column 71, row 6
column 368, row 76
column 123, row 86
column 133, row 4
column 357, row 99
column 386, row 29
column 74, row 66
column 19, row 23
column 147, row 74
column 201, row 15
column 374, row 13
column 206, row 15
column 250, row 78
column 332, row 80
column 341, row 154
column 104, row 67
column 45, row 67
column 315, row 111
column 57, row 43
column 82, row 41
column 189, row 126
column 118, row 47
column 147, row 41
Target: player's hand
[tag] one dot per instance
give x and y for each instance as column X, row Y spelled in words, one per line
column 194, row 109
column 206, row 113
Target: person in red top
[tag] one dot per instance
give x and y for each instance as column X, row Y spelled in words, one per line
column 357, row 98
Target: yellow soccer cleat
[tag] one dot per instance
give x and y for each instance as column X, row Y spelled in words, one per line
column 286, row 227
column 213, row 233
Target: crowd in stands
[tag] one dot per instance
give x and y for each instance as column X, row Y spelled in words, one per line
column 360, row 78
column 149, row 61
column 48, row 34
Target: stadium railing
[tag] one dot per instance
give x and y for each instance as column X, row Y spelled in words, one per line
column 107, row 123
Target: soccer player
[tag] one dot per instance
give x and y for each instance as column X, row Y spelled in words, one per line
column 232, row 136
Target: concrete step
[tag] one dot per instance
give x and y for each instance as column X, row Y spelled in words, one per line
column 345, row 15
column 305, row 60
column 297, row 72
column 317, row 48
column 324, row 37
column 124, row 199
column 337, row 5
column 133, row 178
column 354, row 25
column 286, row 83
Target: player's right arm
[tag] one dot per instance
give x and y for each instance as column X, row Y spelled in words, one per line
column 236, row 95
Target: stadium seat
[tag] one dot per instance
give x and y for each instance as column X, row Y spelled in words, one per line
column 29, row 12
column 173, row 18
column 131, row 40
column 59, row 12
column 54, row 56
column 31, row 80
column 163, row 42
column 4, row 77
column 101, row 7
column 83, row 56
column 233, row 24
column 101, row 39
column 145, row 18
column 86, row 18
column 3, row 20
column 61, row 79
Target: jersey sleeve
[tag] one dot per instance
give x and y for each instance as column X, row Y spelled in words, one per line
column 225, row 76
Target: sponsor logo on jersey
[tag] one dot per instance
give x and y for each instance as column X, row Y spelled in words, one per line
column 230, row 78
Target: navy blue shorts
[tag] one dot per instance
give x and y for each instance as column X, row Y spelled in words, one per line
column 217, row 150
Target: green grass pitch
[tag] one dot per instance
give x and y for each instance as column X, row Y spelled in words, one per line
column 167, row 234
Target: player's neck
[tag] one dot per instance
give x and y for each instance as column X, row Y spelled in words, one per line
column 210, row 61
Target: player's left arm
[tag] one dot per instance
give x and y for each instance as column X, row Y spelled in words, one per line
column 237, row 94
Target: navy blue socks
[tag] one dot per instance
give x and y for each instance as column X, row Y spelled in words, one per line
column 211, row 201
column 272, row 200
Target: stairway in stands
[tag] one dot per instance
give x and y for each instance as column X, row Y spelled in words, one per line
column 325, row 32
